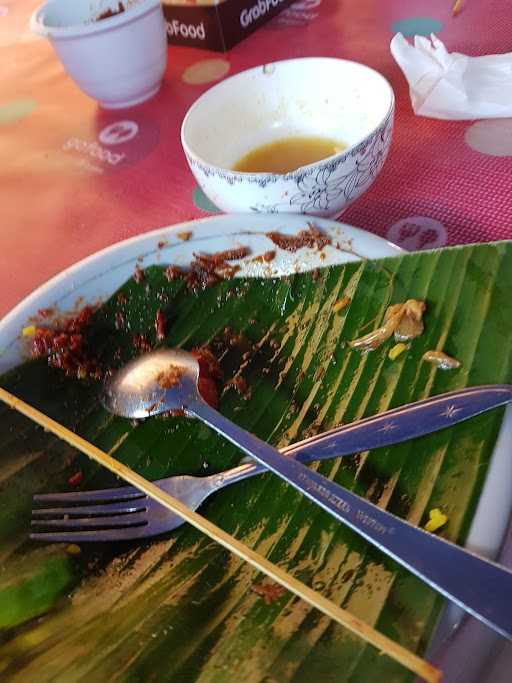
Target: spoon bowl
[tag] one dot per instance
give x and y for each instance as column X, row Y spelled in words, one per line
column 153, row 383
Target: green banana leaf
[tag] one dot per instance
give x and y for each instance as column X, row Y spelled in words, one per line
column 181, row 608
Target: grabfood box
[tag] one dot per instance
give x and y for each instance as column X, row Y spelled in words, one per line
column 216, row 24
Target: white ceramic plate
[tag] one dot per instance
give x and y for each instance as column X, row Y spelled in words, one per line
column 98, row 276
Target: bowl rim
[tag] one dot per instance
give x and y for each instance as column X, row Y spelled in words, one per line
column 134, row 9
column 196, row 160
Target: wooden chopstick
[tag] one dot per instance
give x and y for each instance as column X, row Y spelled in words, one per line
column 386, row 646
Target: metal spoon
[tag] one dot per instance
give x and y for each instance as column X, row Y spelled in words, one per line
column 167, row 380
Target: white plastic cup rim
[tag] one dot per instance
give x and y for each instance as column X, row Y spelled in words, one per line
column 132, row 12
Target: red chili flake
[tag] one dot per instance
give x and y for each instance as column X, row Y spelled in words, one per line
column 160, row 325
column 177, row 412
column 141, row 342
column 240, row 385
column 174, row 273
column 138, row 274
column 76, row 479
column 119, row 320
column 270, row 592
column 162, row 244
column 233, row 338
column 122, row 299
column 65, row 346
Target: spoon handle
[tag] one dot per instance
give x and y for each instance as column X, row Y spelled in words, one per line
column 481, row 587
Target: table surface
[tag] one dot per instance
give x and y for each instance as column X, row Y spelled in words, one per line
column 75, row 178
column 444, row 182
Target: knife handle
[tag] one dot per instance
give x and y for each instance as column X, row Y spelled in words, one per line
column 404, row 423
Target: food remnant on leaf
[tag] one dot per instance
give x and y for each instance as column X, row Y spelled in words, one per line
column 411, row 324
column 141, row 343
column 312, row 237
column 207, row 362
column 341, row 304
column 160, row 325
column 441, row 360
column 185, row 235
column 174, row 273
column 119, row 320
column 65, row 346
column 408, row 314
column 437, row 519
column 270, row 592
column 76, row 479
column 207, row 270
column 374, row 339
column 209, row 374
column 177, row 412
column 239, row 384
column 397, row 350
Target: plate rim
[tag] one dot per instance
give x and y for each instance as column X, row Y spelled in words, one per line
column 12, row 323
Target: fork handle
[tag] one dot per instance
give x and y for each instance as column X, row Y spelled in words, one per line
column 394, row 426
column 481, row 587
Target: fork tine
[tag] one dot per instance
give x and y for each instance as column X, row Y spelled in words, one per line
column 84, row 510
column 113, row 521
column 97, row 536
column 124, row 492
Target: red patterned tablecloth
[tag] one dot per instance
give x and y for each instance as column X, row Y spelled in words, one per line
column 74, row 178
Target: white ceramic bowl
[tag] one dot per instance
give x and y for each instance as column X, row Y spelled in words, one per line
column 119, row 61
column 333, row 98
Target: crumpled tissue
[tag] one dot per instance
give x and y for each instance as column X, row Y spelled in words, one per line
column 447, row 85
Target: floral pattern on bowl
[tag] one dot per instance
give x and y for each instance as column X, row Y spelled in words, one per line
column 321, row 190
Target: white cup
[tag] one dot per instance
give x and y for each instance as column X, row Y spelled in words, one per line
column 120, row 60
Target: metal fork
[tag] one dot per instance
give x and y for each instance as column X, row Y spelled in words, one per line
column 126, row 513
